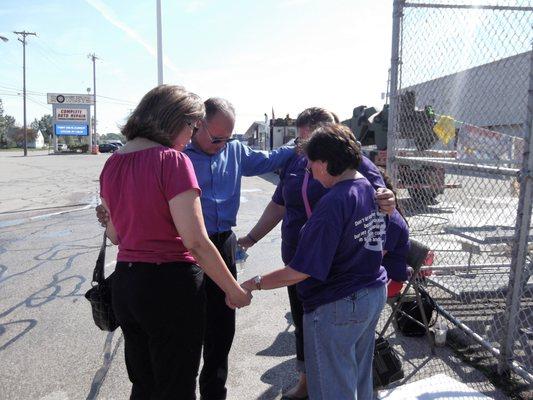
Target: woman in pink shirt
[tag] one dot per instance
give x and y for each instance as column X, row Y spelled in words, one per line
column 151, row 194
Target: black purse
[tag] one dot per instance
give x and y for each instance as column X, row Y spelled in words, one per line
column 386, row 365
column 409, row 317
column 100, row 294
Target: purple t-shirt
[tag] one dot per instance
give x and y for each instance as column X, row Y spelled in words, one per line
column 341, row 245
column 289, row 194
column 397, row 246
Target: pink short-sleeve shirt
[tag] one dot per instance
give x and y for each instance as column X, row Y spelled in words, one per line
column 137, row 187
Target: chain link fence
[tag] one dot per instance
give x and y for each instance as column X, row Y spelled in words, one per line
column 459, row 150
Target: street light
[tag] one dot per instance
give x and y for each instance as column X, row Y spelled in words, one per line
column 4, row 38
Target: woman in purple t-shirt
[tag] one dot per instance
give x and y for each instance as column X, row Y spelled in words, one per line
column 288, row 205
column 337, row 266
column 152, row 198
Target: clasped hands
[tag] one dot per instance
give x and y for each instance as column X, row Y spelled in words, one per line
column 243, row 297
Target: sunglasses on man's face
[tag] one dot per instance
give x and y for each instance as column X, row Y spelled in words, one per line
column 217, row 140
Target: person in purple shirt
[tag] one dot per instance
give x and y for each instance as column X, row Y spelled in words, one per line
column 396, row 247
column 337, row 269
column 288, row 205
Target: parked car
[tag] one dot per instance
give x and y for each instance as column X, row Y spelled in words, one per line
column 62, row 147
column 107, row 147
column 116, row 142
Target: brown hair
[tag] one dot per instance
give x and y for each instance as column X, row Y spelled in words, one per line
column 314, row 116
column 336, row 144
column 163, row 113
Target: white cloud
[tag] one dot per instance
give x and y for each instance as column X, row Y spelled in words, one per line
column 293, row 3
column 194, row 6
column 109, row 15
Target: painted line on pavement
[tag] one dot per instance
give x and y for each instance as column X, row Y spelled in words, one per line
column 101, row 373
column 14, row 222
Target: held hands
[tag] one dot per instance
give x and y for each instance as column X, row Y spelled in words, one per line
column 102, row 215
column 239, row 297
column 249, row 285
column 386, row 200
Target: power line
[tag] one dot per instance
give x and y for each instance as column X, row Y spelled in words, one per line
column 116, row 100
column 40, row 104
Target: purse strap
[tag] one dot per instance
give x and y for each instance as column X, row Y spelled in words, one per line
column 305, row 184
column 98, row 273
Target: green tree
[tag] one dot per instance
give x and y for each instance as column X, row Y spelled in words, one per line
column 7, row 122
column 17, row 135
column 113, row 136
column 44, row 125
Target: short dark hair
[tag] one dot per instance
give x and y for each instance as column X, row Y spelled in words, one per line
column 215, row 105
column 315, row 116
column 336, row 144
column 162, row 113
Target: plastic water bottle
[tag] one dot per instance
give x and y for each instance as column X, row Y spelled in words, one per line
column 240, row 258
column 440, row 333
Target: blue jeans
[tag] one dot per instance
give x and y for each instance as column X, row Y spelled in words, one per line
column 339, row 346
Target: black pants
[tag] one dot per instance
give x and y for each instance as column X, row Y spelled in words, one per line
column 160, row 308
column 220, row 325
column 297, row 312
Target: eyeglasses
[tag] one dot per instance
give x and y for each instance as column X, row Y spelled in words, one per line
column 193, row 126
column 216, row 140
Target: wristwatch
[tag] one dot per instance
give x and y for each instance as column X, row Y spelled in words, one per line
column 257, row 280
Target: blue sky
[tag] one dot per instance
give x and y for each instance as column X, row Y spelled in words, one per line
column 286, row 54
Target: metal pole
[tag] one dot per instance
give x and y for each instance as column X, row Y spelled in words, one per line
column 495, row 352
column 94, row 102
column 93, row 57
column 23, row 41
column 159, row 46
column 24, row 95
column 271, row 138
column 397, row 15
column 520, row 242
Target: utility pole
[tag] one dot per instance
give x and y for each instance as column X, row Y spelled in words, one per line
column 159, row 46
column 93, row 57
column 23, row 34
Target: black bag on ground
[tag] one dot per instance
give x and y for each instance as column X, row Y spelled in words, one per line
column 100, row 294
column 410, row 307
column 386, row 367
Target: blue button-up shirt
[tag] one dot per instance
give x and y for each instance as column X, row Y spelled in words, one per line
column 219, row 177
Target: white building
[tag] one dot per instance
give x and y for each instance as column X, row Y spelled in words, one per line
column 258, row 134
column 38, row 143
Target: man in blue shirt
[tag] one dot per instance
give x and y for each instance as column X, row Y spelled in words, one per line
column 219, row 162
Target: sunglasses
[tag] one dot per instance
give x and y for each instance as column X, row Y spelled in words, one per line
column 217, row 140
column 193, row 126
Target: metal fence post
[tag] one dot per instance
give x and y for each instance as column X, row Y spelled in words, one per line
column 397, row 15
column 520, row 243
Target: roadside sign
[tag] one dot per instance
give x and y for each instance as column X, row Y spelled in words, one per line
column 71, row 130
column 71, row 114
column 69, row 98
